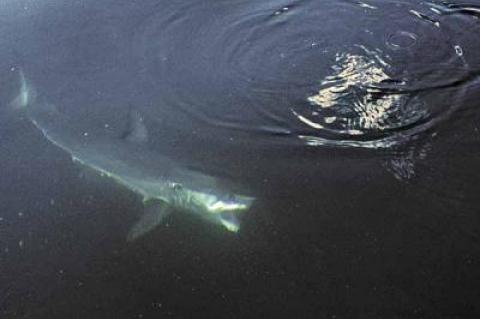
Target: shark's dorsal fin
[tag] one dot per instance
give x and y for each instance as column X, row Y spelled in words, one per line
column 155, row 212
column 136, row 130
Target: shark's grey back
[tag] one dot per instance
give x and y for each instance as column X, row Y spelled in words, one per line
column 127, row 155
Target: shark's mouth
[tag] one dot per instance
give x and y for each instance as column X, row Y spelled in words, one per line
column 226, row 212
column 224, row 209
column 230, row 221
column 238, row 203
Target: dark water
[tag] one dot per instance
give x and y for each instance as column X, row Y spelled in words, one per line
column 355, row 125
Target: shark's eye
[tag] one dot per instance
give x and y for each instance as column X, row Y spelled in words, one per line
column 177, row 187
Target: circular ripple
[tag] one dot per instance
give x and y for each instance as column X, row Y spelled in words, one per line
column 401, row 40
column 341, row 73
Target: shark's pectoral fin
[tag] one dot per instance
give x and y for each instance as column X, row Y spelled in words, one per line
column 153, row 216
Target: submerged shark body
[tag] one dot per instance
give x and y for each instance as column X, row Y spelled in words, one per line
column 163, row 184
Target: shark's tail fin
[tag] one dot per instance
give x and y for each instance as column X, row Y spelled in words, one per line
column 26, row 94
column 28, row 102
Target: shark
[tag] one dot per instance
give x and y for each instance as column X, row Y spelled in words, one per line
column 164, row 185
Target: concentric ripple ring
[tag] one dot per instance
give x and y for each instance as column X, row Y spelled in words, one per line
column 338, row 73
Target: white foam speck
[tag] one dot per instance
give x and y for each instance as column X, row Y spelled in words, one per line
column 458, row 50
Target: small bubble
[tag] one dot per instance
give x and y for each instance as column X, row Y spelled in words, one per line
column 85, row 134
column 20, row 244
